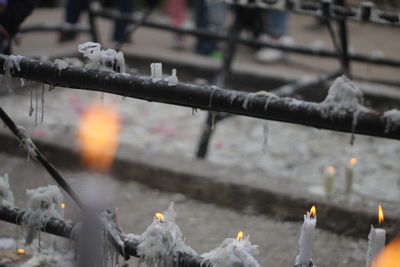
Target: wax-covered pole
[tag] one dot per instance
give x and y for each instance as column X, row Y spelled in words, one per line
column 376, row 239
column 306, row 238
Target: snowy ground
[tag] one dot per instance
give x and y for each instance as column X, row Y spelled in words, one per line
column 203, row 225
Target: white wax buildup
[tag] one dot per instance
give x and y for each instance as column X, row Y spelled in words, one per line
column 156, row 72
column 173, row 79
column 26, row 142
column 44, row 202
column 162, row 241
column 343, row 97
column 392, row 118
column 6, row 195
column 61, row 64
column 303, row 259
column 237, row 252
column 107, row 60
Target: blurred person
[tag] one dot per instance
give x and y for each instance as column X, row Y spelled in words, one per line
column 176, row 10
column 74, row 8
column 210, row 15
column 276, row 28
column 12, row 14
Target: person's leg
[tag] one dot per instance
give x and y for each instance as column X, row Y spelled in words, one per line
column 276, row 26
column 125, row 7
column 209, row 16
column 276, row 23
column 73, row 10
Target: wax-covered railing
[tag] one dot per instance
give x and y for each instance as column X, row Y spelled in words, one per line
column 65, row 228
column 293, row 48
column 258, row 105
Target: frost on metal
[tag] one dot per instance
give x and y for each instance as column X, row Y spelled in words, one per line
column 44, row 203
column 233, row 252
column 99, row 59
column 392, row 118
column 162, row 241
column 26, row 142
column 173, row 79
column 156, row 72
column 343, row 97
column 6, row 195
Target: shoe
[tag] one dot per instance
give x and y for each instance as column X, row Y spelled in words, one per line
column 267, row 55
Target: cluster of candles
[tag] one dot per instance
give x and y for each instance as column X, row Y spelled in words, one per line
column 329, row 177
column 376, row 239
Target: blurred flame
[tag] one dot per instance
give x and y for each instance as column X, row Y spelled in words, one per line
column 63, row 205
column 313, row 211
column 380, row 214
column 20, row 251
column 389, row 256
column 98, row 136
column 240, row 235
column 353, row 161
column 331, row 170
column 160, row 216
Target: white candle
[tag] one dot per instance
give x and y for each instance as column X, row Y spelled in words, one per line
column 306, row 238
column 349, row 175
column 329, row 176
column 376, row 240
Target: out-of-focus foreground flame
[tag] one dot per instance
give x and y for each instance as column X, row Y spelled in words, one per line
column 313, row 211
column 159, row 216
column 63, row 205
column 380, row 214
column 98, row 136
column 20, row 251
column 390, row 255
column 331, row 170
column 353, row 161
column 240, row 235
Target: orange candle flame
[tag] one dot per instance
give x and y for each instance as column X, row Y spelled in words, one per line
column 331, row 170
column 63, row 205
column 98, row 137
column 20, row 251
column 313, row 211
column 159, row 216
column 380, row 214
column 240, row 235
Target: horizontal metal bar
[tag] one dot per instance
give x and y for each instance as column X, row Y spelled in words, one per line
column 46, row 27
column 203, row 97
column 64, row 228
column 364, row 13
column 293, row 48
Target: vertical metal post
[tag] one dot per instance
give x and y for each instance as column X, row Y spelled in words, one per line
column 92, row 24
column 344, row 41
column 220, row 80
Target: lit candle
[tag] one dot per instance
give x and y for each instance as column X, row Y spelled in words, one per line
column 234, row 252
column 376, row 239
column 329, row 177
column 306, row 238
column 349, row 175
column 162, row 241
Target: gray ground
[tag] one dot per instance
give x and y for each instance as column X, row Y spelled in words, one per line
column 203, row 225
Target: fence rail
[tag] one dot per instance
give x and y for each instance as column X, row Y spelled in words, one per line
column 203, row 97
column 64, row 228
